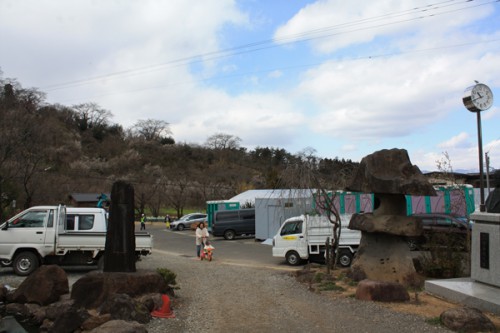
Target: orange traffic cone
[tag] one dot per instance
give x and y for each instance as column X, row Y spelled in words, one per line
column 165, row 311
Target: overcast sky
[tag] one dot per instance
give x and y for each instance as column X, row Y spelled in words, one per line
column 346, row 78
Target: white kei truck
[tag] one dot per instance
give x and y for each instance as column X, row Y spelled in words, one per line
column 58, row 235
column 304, row 237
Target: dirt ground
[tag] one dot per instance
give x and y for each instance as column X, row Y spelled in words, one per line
column 421, row 303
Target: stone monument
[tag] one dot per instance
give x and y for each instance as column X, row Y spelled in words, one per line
column 383, row 253
column 119, row 255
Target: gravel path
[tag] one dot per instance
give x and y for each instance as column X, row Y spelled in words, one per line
column 217, row 297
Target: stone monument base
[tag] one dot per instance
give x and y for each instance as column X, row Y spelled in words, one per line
column 384, row 257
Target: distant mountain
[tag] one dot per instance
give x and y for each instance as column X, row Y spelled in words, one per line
column 467, row 171
column 464, row 171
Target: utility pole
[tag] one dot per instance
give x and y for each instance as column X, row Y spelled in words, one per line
column 487, row 158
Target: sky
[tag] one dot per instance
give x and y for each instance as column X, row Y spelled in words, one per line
column 343, row 78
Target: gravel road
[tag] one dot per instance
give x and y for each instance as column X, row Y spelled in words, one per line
column 225, row 297
column 218, row 297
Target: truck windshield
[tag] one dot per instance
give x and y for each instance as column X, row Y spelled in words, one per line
column 33, row 219
column 294, row 227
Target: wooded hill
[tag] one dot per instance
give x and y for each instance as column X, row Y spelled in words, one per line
column 48, row 151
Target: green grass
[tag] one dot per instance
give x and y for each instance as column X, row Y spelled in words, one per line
column 330, row 286
column 318, row 277
column 434, row 321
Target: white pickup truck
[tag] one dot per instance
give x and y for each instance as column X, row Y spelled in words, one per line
column 304, row 237
column 58, row 235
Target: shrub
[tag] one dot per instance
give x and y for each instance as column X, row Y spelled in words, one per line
column 168, row 276
column 446, row 258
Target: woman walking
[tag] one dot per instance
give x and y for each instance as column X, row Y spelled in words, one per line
column 201, row 237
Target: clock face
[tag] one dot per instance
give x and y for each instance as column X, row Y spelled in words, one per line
column 478, row 98
column 481, row 97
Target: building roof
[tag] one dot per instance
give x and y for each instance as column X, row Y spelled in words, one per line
column 248, row 197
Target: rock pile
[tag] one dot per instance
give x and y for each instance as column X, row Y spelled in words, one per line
column 99, row 302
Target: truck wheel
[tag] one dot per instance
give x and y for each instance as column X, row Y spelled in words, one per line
column 413, row 244
column 25, row 263
column 180, row 227
column 345, row 258
column 293, row 258
column 229, row 234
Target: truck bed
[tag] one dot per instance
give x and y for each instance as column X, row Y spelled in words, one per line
column 319, row 228
column 96, row 241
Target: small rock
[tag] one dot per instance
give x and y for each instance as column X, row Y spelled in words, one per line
column 70, row 321
column 120, row 326
column 381, row 291
column 467, row 320
column 95, row 321
column 124, row 307
column 54, row 310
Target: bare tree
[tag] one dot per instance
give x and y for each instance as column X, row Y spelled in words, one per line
column 147, row 185
column 151, row 129
column 90, row 115
column 27, row 140
column 302, row 173
column 177, row 193
column 223, row 141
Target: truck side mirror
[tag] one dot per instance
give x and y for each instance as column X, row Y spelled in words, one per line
column 5, row 226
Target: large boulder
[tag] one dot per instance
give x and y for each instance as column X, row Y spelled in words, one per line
column 381, row 291
column 44, row 286
column 467, row 320
column 93, row 289
column 390, row 171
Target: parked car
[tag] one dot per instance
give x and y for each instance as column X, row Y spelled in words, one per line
column 441, row 230
column 232, row 223
column 187, row 220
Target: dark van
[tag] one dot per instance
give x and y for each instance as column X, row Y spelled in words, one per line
column 232, row 223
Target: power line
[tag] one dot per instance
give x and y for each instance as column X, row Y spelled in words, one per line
column 373, row 56
column 325, row 32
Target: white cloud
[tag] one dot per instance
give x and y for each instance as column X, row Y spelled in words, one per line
column 386, row 97
column 349, row 148
column 257, row 119
column 96, row 38
column 460, row 140
column 335, row 24
column 276, row 74
column 492, row 113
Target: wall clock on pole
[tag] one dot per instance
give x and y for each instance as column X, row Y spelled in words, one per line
column 478, row 98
